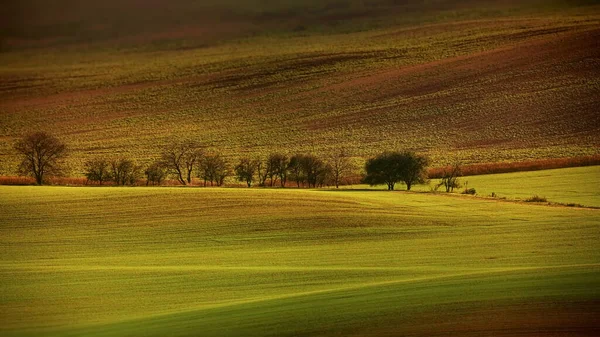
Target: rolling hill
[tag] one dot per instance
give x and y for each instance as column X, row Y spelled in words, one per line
column 480, row 81
column 118, row 261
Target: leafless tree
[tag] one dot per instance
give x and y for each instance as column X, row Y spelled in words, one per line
column 450, row 177
column 98, row 169
column 262, row 171
column 155, row 173
column 277, row 164
column 314, row 169
column 125, row 172
column 214, row 168
column 245, row 170
column 295, row 169
column 182, row 158
column 41, row 154
column 341, row 166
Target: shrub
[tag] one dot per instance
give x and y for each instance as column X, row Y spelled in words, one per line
column 470, row 191
column 536, row 198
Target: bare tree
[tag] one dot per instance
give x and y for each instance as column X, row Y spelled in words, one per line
column 98, row 170
column 214, row 168
column 277, row 164
column 125, row 172
column 246, row 170
column 182, row 158
column 41, row 155
column 295, row 169
column 314, row 169
column 324, row 175
column 450, row 177
column 155, row 173
column 262, row 171
column 341, row 166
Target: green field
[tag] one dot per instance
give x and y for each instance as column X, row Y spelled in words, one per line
column 577, row 185
column 113, row 261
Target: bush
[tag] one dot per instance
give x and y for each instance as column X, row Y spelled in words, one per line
column 470, row 191
column 536, row 198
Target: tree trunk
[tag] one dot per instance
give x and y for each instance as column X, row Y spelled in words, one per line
column 180, row 177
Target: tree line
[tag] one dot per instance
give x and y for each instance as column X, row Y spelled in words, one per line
column 43, row 155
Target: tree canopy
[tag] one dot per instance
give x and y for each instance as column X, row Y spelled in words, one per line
column 41, row 155
column 392, row 167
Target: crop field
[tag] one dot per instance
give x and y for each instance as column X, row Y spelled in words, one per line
column 108, row 261
column 567, row 186
column 476, row 83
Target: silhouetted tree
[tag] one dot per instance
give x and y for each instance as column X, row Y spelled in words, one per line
column 414, row 169
column 124, row 172
column 324, row 175
column 341, row 166
column 182, row 158
column 314, row 169
column 98, row 170
column 214, row 169
column 295, row 169
column 384, row 169
column 246, row 170
column 391, row 167
column 450, row 177
column 41, row 155
column 155, row 173
column 262, row 171
column 277, row 164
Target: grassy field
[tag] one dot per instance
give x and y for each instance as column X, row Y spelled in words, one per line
column 574, row 185
column 272, row 262
column 481, row 83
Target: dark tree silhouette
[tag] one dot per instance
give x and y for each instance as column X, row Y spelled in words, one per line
column 314, row 169
column 262, row 171
column 214, row 168
column 124, row 172
column 414, row 169
column 383, row 169
column 98, row 170
column 155, row 173
column 182, row 158
column 341, row 166
column 41, row 155
column 295, row 169
column 450, row 177
column 277, row 164
column 392, row 167
column 245, row 170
